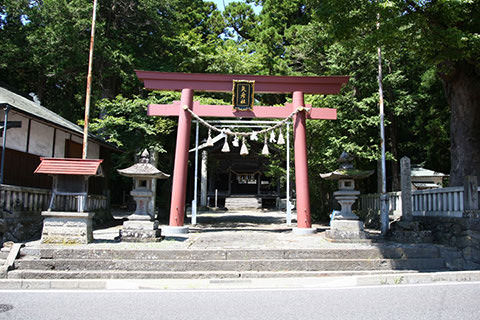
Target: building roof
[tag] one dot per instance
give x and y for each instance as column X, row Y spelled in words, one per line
column 422, row 172
column 35, row 110
column 425, row 185
column 71, row 166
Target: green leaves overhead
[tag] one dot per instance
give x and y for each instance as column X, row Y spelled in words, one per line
column 130, row 34
column 430, row 51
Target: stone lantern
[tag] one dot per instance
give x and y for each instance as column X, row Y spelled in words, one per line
column 141, row 225
column 345, row 225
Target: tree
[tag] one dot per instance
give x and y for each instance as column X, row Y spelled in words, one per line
column 130, row 34
column 442, row 33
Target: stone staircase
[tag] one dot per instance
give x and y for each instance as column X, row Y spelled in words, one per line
column 89, row 263
column 239, row 203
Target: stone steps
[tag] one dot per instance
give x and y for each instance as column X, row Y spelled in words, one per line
column 36, row 274
column 71, row 263
column 426, row 264
column 233, row 254
column 243, row 203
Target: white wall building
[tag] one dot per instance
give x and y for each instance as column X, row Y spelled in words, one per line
column 43, row 133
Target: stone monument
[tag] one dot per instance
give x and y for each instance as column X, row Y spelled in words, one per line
column 141, row 226
column 345, row 225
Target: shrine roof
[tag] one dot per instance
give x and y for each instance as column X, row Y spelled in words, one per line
column 418, row 171
column 70, row 166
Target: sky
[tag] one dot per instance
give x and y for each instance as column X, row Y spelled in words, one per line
column 219, row 4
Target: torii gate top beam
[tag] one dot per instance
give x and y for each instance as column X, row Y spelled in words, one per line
column 154, row 80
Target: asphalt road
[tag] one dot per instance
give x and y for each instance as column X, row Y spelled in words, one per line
column 431, row 301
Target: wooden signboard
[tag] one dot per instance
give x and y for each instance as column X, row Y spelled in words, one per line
column 242, row 94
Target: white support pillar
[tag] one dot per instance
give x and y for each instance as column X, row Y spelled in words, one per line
column 195, row 181
column 288, row 204
column 203, row 179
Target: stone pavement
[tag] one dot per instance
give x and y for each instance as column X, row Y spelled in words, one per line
column 260, row 230
column 228, row 230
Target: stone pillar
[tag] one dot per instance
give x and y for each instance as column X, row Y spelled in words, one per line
column 470, row 193
column 406, row 185
column 203, row 179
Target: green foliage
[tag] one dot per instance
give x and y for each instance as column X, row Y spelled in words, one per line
column 124, row 122
column 164, row 35
column 423, row 42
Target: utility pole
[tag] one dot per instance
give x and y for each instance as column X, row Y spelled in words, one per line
column 384, row 219
column 89, row 84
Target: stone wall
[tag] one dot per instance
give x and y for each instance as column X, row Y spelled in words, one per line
column 460, row 233
column 21, row 226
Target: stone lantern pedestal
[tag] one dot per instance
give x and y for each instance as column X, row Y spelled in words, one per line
column 141, row 226
column 345, row 226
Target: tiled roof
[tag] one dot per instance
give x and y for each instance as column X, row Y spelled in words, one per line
column 71, row 166
column 27, row 106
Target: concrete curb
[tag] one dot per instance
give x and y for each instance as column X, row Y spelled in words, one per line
column 241, row 283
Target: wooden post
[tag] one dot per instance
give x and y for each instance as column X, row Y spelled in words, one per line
column 301, row 165
column 177, row 209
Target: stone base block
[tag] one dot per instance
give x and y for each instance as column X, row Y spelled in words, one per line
column 346, row 231
column 139, row 217
column 140, row 225
column 173, row 231
column 141, row 231
column 303, row 231
column 67, row 227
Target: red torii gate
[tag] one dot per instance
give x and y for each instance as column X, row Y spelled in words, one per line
column 188, row 82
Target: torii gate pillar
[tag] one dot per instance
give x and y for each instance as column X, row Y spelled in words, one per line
column 177, row 207
column 304, row 222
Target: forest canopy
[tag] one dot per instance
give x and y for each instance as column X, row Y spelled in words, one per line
column 431, row 70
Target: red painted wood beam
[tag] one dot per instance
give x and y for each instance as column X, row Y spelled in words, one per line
column 175, row 81
column 228, row 111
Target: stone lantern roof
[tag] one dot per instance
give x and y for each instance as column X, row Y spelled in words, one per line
column 346, row 170
column 143, row 169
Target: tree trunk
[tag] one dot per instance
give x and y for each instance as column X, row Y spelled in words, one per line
column 462, row 89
